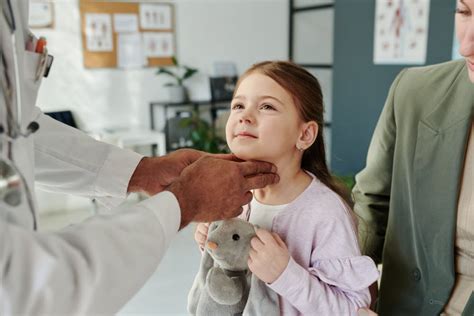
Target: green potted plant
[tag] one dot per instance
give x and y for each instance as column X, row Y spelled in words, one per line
column 180, row 73
column 203, row 135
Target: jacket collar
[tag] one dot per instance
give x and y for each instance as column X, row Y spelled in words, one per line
column 460, row 101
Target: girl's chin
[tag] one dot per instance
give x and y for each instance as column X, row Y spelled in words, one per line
column 247, row 155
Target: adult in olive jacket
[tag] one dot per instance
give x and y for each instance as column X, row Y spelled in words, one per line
column 407, row 195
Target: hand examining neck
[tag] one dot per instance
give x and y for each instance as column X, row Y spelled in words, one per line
column 208, row 187
column 293, row 181
column 154, row 174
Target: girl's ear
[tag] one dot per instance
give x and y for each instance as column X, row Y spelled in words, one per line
column 309, row 132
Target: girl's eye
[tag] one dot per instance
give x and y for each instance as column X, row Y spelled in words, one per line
column 267, row 107
column 237, row 106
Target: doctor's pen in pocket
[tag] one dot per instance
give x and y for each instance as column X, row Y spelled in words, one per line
column 13, row 188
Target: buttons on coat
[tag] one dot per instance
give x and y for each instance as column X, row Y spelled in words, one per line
column 416, row 273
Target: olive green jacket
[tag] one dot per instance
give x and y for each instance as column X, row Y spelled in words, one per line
column 407, row 195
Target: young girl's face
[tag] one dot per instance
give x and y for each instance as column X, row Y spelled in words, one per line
column 264, row 123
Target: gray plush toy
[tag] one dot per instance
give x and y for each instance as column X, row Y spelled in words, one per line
column 222, row 284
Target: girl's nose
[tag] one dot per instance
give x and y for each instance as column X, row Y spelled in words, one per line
column 246, row 117
column 245, row 120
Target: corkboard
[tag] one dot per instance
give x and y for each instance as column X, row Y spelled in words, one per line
column 109, row 59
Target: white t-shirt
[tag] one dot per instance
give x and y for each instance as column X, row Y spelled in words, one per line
column 263, row 214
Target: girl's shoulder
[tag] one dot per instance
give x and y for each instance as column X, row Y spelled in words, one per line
column 318, row 200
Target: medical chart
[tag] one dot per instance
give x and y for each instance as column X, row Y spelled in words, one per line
column 99, row 32
column 158, row 44
column 401, row 31
column 125, row 23
column 155, row 17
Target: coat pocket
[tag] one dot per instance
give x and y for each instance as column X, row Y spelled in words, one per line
column 31, row 85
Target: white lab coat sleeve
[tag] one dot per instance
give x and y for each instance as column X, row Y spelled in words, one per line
column 69, row 161
column 92, row 268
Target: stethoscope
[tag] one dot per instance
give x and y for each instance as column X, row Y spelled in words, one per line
column 12, row 182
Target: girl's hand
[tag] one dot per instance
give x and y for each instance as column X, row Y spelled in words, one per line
column 268, row 256
column 200, row 235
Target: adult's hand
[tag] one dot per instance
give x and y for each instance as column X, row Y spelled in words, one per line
column 216, row 187
column 154, row 174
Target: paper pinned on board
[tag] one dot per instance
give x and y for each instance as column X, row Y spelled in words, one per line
column 130, row 51
column 125, row 23
column 158, row 44
column 155, row 17
column 99, row 32
column 41, row 14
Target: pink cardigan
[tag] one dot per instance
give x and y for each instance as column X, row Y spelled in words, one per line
column 326, row 274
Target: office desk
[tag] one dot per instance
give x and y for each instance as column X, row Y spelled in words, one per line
column 134, row 137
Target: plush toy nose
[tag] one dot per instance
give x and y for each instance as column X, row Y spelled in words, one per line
column 211, row 245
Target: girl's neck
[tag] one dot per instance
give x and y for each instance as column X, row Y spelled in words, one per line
column 293, row 181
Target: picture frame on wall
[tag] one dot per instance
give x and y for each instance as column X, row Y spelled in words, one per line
column 41, row 14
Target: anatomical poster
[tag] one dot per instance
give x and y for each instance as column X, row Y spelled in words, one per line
column 99, row 32
column 401, row 31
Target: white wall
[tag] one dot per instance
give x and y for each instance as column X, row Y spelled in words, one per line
column 241, row 31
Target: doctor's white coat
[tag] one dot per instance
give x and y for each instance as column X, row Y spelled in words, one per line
column 88, row 269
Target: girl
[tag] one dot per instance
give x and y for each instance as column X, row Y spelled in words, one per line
column 307, row 251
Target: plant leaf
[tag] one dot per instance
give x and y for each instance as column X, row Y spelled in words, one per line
column 165, row 71
column 175, row 61
column 189, row 72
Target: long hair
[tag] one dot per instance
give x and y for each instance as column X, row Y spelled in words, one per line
column 308, row 98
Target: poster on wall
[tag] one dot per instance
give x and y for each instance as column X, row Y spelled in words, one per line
column 99, row 32
column 125, row 23
column 401, row 32
column 158, row 44
column 155, row 17
column 130, row 51
column 41, row 14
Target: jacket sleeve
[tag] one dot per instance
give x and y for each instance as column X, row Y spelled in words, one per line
column 337, row 279
column 371, row 193
column 92, row 268
column 69, row 161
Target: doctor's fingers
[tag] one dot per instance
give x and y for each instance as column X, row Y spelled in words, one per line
column 186, row 156
column 251, row 168
column 260, row 181
column 230, row 157
column 234, row 212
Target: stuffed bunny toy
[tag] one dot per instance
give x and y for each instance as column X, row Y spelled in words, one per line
column 222, row 284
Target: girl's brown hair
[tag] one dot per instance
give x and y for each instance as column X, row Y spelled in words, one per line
column 308, row 98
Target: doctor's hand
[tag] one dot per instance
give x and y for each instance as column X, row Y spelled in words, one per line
column 154, row 174
column 216, row 186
